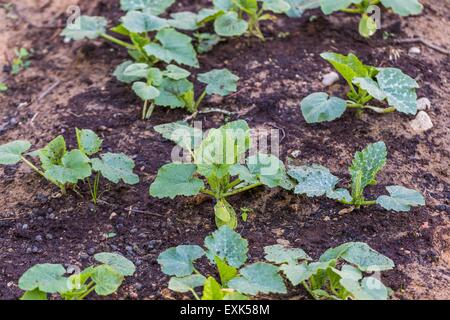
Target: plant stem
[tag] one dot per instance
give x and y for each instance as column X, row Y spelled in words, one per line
column 144, row 110
column 308, row 289
column 199, row 101
column 117, row 41
column 36, row 169
column 234, row 192
column 195, row 294
column 349, row 10
column 208, row 192
column 233, row 184
column 91, row 287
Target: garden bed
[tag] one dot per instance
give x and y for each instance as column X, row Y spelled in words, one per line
column 70, row 86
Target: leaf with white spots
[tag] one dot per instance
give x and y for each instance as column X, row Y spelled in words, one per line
column 280, row 254
column 371, row 87
column 179, row 261
column 401, row 199
column 404, row 7
column 219, row 81
column 314, row 180
column 85, row 27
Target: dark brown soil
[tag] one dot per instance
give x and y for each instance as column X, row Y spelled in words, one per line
column 275, row 76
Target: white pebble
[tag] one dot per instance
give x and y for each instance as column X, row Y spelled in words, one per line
column 296, row 153
column 422, row 122
column 330, row 78
column 414, row 51
column 423, row 104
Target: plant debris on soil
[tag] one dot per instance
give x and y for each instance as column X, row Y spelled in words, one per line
column 71, row 86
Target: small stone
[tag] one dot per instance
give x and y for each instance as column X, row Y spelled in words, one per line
column 138, row 286
column 422, row 122
column 423, row 104
column 48, row 236
column 29, row 250
column 51, row 216
column 25, row 227
column 84, row 256
column 414, row 51
column 326, row 218
column 35, row 249
column 129, row 249
column 330, row 78
column 38, row 238
column 112, row 216
column 91, row 251
column 296, row 153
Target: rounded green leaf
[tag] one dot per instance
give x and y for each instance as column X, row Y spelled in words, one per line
column 319, row 107
column 182, row 134
column 145, row 91
column 47, row 278
column 34, row 295
column 230, row 25
column 280, row 254
column 139, row 22
column 277, row 6
column 155, row 7
column 258, row 278
column 401, row 199
column 85, row 27
column 11, row 153
column 107, row 280
column 270, row 170
column 184, row 21
column 88, row 141
column 116, row 167
column 228, row 245
column 370, row 288
column 348, row 66
column 313, row 180
column 53, row 152
column 136, row 70
column 176, row 73
column 296, row 273
column 371, row 87
column 75, row 166
column 116, row 261
column 178, row 261
column 404, row 7
column 367, row 26
column 175, row 179
column 330, row 6
column 186, row 284
column 219, row 81
column 120, row 75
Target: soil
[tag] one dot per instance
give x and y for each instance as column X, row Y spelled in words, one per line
column 70, row 85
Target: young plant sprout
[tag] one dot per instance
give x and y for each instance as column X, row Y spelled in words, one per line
column 217, row 157
column 366, row 84
column 368, row 25
column 20, row 61
column 171, row 88
column 346, row 272
column 66, row 168
column 237, row 17
column 315, row 181
column 227, row 251
column 104, row 279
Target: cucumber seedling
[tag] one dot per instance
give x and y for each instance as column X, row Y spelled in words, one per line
column 66, row 168
column 227, row 251
column 366, row 83
column 347, row 272
column 104, row 279
column 217, row 157
column 315, row 180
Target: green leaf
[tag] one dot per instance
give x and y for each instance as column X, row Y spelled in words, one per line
column 206, row 41
column 116, row 167
column 280, row 254
column 85, row 27
column 137, row 70
column 269, row 169
column 349, row 272
column 365, row 166
column 139, row 22
column 116, row 261
column 404, row 7
column 88, row 141
column 107, row 280
column 3, row 87
column 314, row 180
column 212, row 290
column 176, row 73
column 399, row 88
column 230, row 25
column 401, row 199
column 178, row 261
column 370, row 289
column 361, row 255
column 53, row 152
column 330, row 6
column 228, row 245
column 296, row 273
column 145, row 91
column 155, row 7
column 236, row 296
column 243, row 173
column 11, row 153
column 206, row 15
column 340, row 195
column 172, row 93
column 277, row 6
column 34, row 295
column 120, row 74
column 219, row 81
column 259, row 278
column 371, row 87
column 184, row 20
column 74, row 167
column 367, row 26
column 182, row 134
column 298, row 7
column 176, row 180
column 48, row 278
column 348, row 66
column 186, row 284
column 319, row 107
column 175, row 46
column 226, row 272
column 225, row 214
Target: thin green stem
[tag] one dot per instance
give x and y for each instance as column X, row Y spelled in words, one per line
column 195, row 294
column 118, row 41
column 350, row 10
column 90, row 288
column 308, row 289
column 199, row 101
column 208, row 192
column 144, row 110
column 233, row 184
column 36, row 169
column 234, row 192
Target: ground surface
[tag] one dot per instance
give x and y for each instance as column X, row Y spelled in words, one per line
column 275, row 76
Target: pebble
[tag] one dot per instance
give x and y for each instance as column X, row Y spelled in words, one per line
column 138, row 286
column 25, row 227
column 423, row 104
column 51, row 216
column 330, row 78
column 91, row 251
column 48, row 236
column 296, row 153
column 35, row 249
column 129, row 249
column 38, row 238
column 414, row 51
column 422, row 122
column 84, row 256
